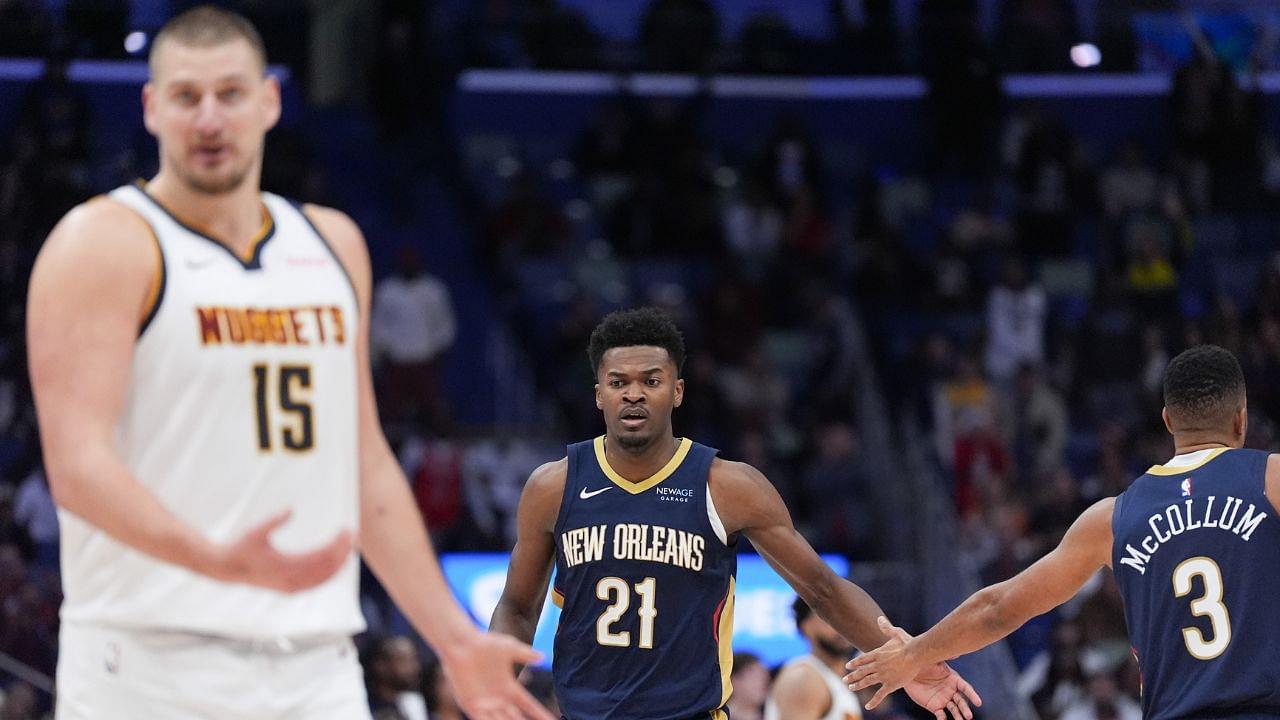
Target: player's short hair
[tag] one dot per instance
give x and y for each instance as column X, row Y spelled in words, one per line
column 629, row 328
column 744, row 660
column 207, row 26
column 1203, row 387
column 802, row 611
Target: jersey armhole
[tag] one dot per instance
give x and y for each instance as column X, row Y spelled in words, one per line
column 566, row 496
column 160, row 274
column 716, row 523
column 355, row 296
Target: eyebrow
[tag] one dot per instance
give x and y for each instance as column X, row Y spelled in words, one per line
column 651, row 371
column 234, row 77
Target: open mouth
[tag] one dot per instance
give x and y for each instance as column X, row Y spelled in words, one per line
column 634, row 417
column 212, row 154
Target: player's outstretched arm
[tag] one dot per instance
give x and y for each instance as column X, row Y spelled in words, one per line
column 394, row 538
column 532, row 558
column 748, row 503
column 993, row 612
column 93, row 283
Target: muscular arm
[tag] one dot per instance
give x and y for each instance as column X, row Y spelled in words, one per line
column 994, row 612
column 393, row 537
column 748, row 503
column 89, row 290
column 800, row 694
column 532, row 558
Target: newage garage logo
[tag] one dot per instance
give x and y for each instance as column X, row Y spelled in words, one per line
column 674, row 494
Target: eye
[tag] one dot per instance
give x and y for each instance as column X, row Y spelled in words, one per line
column 653, row 382
column 615, row 383
column 229, row 95
column 186, row 97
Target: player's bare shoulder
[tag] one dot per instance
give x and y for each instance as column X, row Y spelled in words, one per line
column 105, row 235
column 743, row 496
column 101, row 229
column 543, row 491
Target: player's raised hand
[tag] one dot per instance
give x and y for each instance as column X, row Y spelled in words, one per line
column 254, row 561
column 936, row 687
column 482, row 672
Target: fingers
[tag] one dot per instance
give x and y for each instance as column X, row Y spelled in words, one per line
column 879, row 697
column 970, row 693
column 861, row 660
column 960, row 703
column 268, row 526
column 863, row 681
column 529, row 706
column 306, row 570
column 893, row 632
column 521, row 654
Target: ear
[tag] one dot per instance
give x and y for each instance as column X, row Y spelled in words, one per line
column 271, row 101
column 679, row 392
column 599, row 398
column 1240, row 424
column 1164, row 414
column 148, row 107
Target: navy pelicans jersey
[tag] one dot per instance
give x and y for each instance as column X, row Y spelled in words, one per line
column 241, row 403
column 644, row 574
column 1195, row 554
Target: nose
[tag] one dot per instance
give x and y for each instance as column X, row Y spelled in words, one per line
column 633, row 393
column 208, row 115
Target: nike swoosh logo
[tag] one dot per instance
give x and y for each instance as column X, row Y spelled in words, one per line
column 588, row 495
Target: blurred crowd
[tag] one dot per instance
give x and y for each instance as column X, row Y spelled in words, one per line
column 1023, row 289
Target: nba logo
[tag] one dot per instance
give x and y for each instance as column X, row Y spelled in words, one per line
column 1186, row 488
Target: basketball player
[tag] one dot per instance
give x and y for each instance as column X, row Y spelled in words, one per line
column 810, row 687
column 199, row 356
column 1193, row 544
column 642, row 529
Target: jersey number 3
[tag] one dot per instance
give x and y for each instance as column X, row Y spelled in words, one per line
column 1209, row 605
column 289, row 390
column 618, row 592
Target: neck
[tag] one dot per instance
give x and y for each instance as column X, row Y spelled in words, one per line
column 385, row 692
column 232, row 218
column 833, row 662
column 639, row 465
column 1191, row 443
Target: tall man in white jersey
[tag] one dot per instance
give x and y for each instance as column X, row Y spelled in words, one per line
column 199, row 357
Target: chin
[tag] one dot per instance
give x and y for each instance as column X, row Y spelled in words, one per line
column 217, row 182
column 633, row 440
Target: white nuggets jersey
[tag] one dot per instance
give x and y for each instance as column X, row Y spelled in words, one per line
column 242, row 403
column 844, row 704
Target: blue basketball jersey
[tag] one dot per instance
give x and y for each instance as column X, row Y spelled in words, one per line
column 645, row 576
column 1195, row 553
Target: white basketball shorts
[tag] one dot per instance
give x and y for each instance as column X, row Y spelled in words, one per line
column 115, row 674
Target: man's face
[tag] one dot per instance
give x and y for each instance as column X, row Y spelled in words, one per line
column 825, row 638
column 210, row 109
column 403, row 668
column 637, row 389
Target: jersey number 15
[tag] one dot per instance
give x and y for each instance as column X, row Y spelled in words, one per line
column 287, row 391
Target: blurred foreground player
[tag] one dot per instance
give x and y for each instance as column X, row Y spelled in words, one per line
column 1193, row 544
column 810, row 687
column 642, row 530
column 199, row 358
